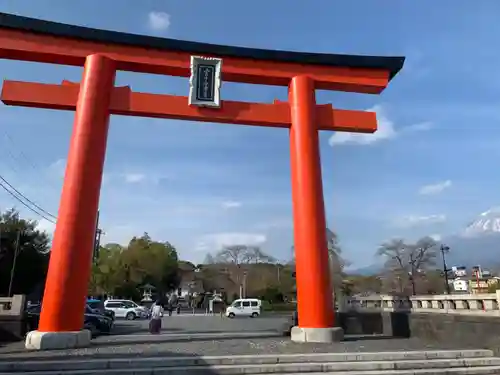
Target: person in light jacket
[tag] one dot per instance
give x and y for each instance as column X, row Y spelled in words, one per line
column 156, row 315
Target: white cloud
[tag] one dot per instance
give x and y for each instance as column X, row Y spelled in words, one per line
column 58, row 168
column 414, row 220
column 275, row 223
column 419, row 127
column 132, row 178
column 436, row 188
column 45, row 225
column 386, row 130
column 436, row 237
column 231, row 204
column 159, row 21
column 217, row 241
column 121, row 234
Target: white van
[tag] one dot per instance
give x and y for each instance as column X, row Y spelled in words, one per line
column 244, row 307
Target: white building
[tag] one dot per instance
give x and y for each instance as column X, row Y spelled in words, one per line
column 459, row 271
column 461, row 286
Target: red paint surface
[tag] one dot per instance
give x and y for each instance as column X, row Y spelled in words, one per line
column 314, row 289
column 71, row 255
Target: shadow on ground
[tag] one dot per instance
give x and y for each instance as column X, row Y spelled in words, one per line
column 130, row 330
column 352, row 338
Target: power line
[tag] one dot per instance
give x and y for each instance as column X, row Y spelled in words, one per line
column 26, row 198
column 31, row 163
column 41, row 214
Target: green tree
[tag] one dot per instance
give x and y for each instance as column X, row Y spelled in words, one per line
column 31, row 257
column 153, row 262
column 108, row 272
column 492, row 288
column 122, row 270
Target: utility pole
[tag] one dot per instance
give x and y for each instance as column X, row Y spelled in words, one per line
column 445, row 249
column 13, row 268
column 97, row 238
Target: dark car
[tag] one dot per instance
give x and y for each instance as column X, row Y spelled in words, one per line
column 292, row 321
column 98, row 306
column 96, row 323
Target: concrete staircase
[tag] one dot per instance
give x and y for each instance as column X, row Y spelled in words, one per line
column 449, row 362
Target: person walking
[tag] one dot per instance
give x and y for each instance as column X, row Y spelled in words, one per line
column 156, row 315
column 172, row 303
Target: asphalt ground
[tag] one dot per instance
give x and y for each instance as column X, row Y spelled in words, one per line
column 198, row 335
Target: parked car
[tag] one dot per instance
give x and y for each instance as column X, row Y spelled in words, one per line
column 96, row 323
column 244, row 307
column 126, row 309
column 98, row 306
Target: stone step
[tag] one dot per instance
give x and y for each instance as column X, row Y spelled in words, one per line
column 261, row 364
column 353, row 368
column 493, row 370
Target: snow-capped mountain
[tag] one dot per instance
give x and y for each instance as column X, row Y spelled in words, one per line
column 478, row 243
column 487, row 223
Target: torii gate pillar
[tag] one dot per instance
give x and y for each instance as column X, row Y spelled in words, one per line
column 309, row 224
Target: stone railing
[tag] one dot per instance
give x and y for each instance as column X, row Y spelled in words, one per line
column 467, row 304
column 12, row 324
column 12, row 306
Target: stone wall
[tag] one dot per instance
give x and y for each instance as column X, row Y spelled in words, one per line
column 467, row 330
column 471, row 319
column 392, row 324
column 12, row 324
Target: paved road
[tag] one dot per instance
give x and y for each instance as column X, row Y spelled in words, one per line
column 213, row 335
column 189, row 324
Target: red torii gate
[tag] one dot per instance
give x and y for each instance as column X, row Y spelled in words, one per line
column 102, row 53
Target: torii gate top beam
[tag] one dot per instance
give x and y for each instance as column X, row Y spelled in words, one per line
column 29, row 39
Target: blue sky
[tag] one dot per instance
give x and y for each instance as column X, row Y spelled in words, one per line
column 430, row 169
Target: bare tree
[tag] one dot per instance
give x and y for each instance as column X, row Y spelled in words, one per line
column 336, row 265
column 240, row 262
column 406, row 262
column 235, row 254
column 335, row 261
column 209, row 259
column 254, row 254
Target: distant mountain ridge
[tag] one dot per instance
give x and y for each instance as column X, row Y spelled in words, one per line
column 477, row 244
column 365, row 271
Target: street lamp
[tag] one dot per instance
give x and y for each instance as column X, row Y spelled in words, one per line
column 412, row 279
column 245, row 274
column 445, row 249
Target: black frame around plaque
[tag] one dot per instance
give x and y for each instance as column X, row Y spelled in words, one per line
column 199, row 84
column 205, row 81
